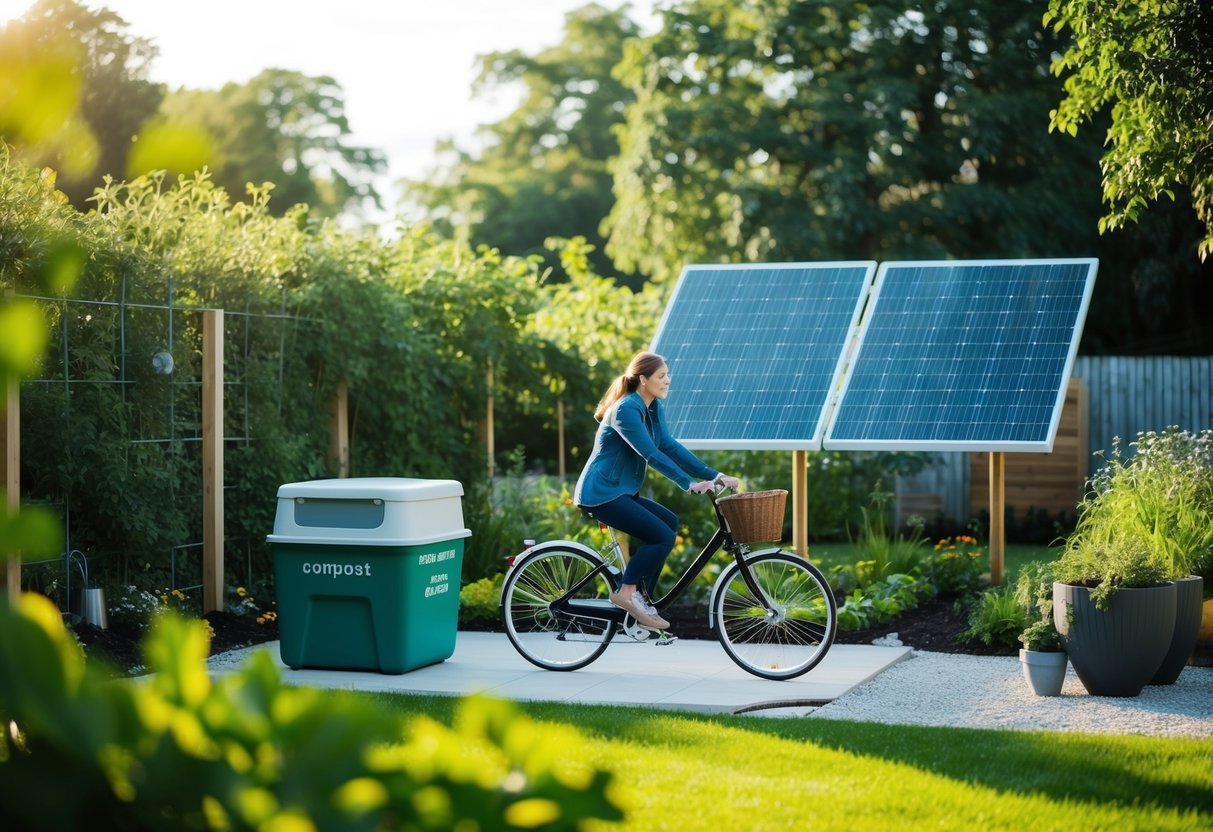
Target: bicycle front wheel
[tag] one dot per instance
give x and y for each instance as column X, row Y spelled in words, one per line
column 785, row 633
column 540, row 626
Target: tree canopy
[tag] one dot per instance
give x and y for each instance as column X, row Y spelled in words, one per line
column 286, row 128
column 818, row 131
column 89, row 78
column 1151, row 65
column 542, row 170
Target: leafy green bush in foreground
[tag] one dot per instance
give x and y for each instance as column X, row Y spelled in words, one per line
column 181, row 751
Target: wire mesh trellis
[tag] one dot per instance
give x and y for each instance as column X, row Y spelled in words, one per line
column 112, row 433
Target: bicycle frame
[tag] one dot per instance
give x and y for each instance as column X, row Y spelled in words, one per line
column 721, row 539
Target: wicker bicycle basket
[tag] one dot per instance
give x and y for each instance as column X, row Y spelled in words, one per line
column 756, row 516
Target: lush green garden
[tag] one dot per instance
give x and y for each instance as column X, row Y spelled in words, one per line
column 724, row 160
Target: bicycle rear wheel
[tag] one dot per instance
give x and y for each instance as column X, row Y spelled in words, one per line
column 791, row 637
column 549, row 635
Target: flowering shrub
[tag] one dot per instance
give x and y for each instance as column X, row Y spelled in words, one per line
column 480, row 603
column 132, row 608
column 956, row 565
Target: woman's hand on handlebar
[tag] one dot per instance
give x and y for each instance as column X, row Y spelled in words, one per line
column 727, row 481
column 721, row 481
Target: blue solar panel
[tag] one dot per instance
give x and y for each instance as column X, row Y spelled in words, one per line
column 755, row 351
column 964, row 356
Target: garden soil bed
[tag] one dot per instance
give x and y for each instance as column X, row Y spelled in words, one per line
column 933, row 626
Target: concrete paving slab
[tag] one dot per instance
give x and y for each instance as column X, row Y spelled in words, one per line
column 686, row 675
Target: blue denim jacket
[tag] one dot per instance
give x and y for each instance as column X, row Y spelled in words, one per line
column 630, row 438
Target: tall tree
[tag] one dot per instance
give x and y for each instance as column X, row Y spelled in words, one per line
column 1151, row 65
column 543, row 168
column 286, row 128
column 110, row 67
column 813, row 130
column 795, row 130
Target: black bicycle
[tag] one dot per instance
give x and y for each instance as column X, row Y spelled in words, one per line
column 772, row 610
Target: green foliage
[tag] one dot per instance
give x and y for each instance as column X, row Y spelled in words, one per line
column 480, row 603
column 880, row 554
column 250, row 752
column 996, row 619
column 882, row 600
column 1149, row 65
column 1106, row 564
column 1034, row 594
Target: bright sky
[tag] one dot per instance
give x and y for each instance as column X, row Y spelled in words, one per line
column 406, row 66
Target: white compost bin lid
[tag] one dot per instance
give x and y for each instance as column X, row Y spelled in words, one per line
column 374, row 511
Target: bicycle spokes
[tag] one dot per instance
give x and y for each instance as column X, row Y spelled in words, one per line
column 785, row 628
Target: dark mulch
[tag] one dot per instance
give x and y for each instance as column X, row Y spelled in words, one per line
column 119, row 647
column 933, row 625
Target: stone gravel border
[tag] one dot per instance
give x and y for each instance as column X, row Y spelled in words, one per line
column 954, row 690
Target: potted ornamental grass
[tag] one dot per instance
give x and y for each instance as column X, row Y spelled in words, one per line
column 1127, row 601
column 1171, row 475
column 1115, row 610
column 1042, row 656
column 1161, row 497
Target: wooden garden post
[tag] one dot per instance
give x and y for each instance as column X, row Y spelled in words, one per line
column 10, row 459
column 339, row 429
column 560, row 437
column 488, row 423
column 998, row 502
column 212, row 460
column 800, row 503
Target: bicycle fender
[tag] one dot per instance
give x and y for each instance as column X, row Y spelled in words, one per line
column 716, row 587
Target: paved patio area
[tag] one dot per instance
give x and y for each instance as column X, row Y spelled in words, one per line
column 686, row 675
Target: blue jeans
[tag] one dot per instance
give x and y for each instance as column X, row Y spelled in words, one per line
column 647, row 523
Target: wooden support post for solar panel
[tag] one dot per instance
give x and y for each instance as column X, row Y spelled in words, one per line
column 998, row 502
column 800, row 503
column 10, row 459
column 339, row 429
column 212, row 460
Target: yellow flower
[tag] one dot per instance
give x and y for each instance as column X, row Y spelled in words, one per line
column 568, row 501
column 240, row 591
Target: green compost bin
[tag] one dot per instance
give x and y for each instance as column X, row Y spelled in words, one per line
column 368, row 572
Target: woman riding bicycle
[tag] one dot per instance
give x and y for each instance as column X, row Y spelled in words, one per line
column 631, row 436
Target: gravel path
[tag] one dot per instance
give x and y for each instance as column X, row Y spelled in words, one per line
column 990, row 692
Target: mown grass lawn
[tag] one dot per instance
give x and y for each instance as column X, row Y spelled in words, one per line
column 688, row 772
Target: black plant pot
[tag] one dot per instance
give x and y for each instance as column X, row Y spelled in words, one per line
column 1188, row 603
column 1116, row 651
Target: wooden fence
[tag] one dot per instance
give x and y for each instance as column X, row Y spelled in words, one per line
column 1125, row 395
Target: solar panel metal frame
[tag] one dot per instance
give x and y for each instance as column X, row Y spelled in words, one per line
column 811, row 442
column 1045, row 445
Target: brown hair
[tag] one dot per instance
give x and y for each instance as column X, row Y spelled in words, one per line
column 642, row 364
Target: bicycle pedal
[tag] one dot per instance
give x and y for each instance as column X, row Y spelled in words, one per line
column 664, row 638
